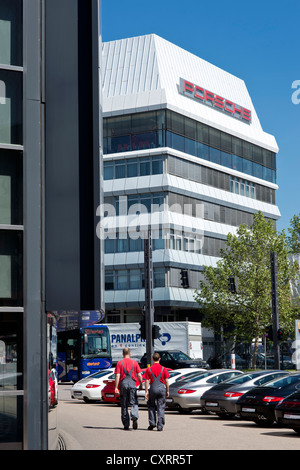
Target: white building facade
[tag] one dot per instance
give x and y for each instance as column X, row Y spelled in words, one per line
column 182, row 142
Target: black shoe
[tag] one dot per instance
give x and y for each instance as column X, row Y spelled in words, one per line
column 134, row 423
column 159, row 429
column 126, row 428
column 151, row 427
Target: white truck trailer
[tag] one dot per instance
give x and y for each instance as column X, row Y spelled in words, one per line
column 185, row 336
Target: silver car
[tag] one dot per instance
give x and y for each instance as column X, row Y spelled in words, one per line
column 175, row 375
column 222, row 398
column 185, row 394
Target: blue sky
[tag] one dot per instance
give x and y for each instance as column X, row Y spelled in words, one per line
column 257, row 41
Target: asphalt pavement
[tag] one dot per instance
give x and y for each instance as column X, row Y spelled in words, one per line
column 98, row 426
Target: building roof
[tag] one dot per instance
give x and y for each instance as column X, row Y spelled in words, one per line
column 143, row 73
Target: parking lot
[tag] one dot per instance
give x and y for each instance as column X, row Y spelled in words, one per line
column 98, row 426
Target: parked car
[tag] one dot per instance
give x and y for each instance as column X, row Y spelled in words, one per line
column 89, row 388
column 175, row 375
column 185, row 393
column 183, row 374
column 176, row 360
column 108, row 394
column 239, row 361
column 287, row 412
column 259, row 403
column 52, row 388
column 221, row 398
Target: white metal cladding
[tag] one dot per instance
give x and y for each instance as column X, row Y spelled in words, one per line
column 142, row 73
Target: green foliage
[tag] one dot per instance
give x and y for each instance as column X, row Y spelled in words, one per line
column 247, row 256
column 294, row 230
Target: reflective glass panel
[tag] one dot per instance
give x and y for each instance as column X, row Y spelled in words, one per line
column 10, row 107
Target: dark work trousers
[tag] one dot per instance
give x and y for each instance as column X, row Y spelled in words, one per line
column 157, row 401
column 128, row 398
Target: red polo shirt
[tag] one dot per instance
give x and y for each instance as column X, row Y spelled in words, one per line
column 156, row 368
column 128, row 365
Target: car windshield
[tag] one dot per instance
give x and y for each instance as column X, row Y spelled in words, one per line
column 99, row 374
column 173, row 374
column 279, row 383
column 178, row 355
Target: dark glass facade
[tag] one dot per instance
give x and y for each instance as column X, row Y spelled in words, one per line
column 11, row 225
column 169, row 129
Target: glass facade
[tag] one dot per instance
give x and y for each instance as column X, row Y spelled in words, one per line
column 11, row 381
column 159, row 164
column 168, row 129
column 11, row 228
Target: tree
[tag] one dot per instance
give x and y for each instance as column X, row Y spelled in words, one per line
column 246, row 314
column 294, row 230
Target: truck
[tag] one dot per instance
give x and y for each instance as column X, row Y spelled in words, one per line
column 185, row 336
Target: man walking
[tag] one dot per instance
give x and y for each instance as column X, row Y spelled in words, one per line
column 158, row 377
column 128, row 375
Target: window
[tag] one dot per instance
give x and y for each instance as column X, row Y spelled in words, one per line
column 109, row 280
column 11, row 187
column 108, row 168
column 132, row 167
column 10, row 107
column 134, row 279
column 122, row 280
column 120, row 169
column 11, row 277
column 11, row 32
column 145, row 166
column 157, row 165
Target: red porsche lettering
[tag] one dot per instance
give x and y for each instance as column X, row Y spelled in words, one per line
column 211, row 99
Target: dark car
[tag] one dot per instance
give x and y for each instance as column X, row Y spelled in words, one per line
column 259, row 403
column 287, row 412
column 176, row 360
column 222, row 398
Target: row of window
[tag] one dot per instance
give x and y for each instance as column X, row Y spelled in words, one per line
column 127, row 279
column 132, row 167
column 153, row 165
column 181, row 240
column 148, row 130
column 156, row 139
column 178, row 203
column 11, row 210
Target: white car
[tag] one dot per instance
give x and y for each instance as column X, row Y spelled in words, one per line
column 89, row 388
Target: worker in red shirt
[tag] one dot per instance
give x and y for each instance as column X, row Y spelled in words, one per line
column 158, row 377
column 128, row 376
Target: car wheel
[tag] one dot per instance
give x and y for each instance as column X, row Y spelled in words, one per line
column 264, row 422
column 185, row 411
column 226, row 415
column 297, row 430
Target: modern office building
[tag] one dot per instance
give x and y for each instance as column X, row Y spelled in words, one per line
column 50, row 148
column 183, row 140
